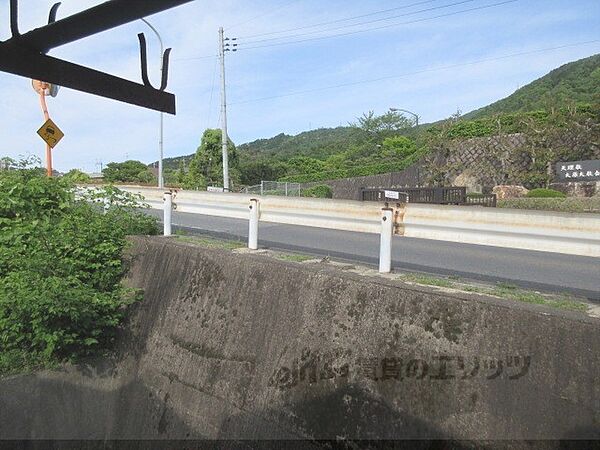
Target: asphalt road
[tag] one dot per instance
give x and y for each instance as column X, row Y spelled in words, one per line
column 551, row 272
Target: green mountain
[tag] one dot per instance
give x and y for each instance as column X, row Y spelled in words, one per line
column 349, row 151
column 319, row 144
column 575, row 82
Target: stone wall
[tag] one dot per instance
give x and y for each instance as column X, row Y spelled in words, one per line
column 247, row 347
column 481, row 163
column 581, row 189
column 477, row 163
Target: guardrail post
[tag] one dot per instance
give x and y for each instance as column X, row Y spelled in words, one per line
column 168, row 208
column 253, row 228
column 385, row 249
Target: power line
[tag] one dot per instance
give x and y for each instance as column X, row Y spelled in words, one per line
column 434, row 69
column 268, row 13
column 435, row 8
column 197, row 57
column 339, row 20
column 425, row 19
column 212, row 89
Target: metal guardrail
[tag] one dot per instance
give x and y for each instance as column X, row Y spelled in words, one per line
column 575, row 234
column 346, row 215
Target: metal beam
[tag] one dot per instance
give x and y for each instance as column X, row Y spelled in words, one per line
column 95, row 20
column 31, row 64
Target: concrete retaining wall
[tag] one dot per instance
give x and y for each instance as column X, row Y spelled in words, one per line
column 243, row 346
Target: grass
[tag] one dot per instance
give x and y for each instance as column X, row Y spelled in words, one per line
column 294, row 257
column 561, row 302
column 502, row 290
column 212, row 242
column 571, row 204
column 21, row 362
column 428, row 280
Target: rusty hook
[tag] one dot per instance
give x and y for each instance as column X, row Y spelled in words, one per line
column 144, row 62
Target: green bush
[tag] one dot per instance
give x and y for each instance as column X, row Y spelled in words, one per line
column 77, row 176
column 319, row 191
column 127, row 172
column 506, row 123
column 61, row 264
column 357, row 171
column 545, row 193
column 573, row 205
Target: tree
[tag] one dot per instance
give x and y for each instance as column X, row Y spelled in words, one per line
column 7, row 163
column 386, row 125
column 253, row 172
column 303, row 165
column 77, row 176
column 128, row 171
column 206, row 167
column 398, row 147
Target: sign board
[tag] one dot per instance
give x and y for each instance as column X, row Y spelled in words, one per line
column 392, row 194
column 569, row 172
column 51, row 133
column 215, row 189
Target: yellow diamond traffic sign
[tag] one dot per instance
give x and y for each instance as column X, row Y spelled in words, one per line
column 50, row 133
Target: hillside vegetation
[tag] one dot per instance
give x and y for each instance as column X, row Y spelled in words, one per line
column 576, row 82
column 380, row 144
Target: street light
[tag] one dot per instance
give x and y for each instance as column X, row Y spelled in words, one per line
column 408, row 112
column 160, row 142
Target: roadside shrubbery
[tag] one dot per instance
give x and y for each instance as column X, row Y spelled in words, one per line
column 572, row 205
column 545, row 193
column 319, row 191
column 61, row 266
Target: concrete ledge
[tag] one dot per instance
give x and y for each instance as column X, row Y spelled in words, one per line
column 237, row 346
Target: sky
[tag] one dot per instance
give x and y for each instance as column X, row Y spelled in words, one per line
column 301, row 65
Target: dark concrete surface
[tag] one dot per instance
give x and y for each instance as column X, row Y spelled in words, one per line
column 229, row 346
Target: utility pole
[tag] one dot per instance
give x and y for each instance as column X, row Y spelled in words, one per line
column 224, row 47
column 223, row 112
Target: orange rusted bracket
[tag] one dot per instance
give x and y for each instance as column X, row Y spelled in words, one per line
column 41, row 87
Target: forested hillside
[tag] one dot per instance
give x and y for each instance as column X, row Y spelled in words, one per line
column 391, row 142
column 576, row 82
column 319, row 143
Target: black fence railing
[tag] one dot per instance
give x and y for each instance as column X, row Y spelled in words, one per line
column 436, row 196
column 489, row 200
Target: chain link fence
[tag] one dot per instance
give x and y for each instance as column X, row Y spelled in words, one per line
column 284, row 189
